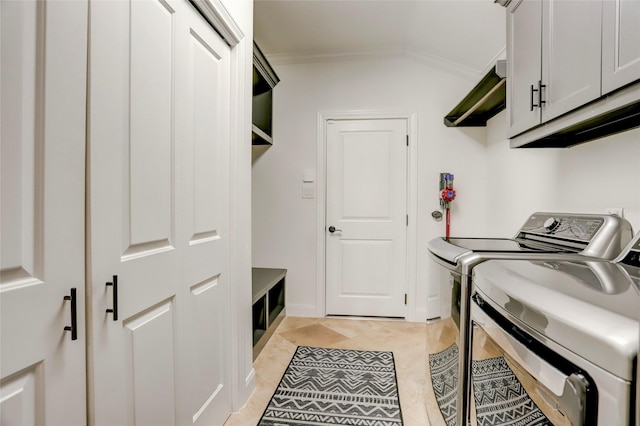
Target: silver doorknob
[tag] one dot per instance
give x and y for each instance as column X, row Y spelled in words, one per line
column 333, row 229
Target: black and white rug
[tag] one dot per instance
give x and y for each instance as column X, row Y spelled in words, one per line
column 336, row 387
column 499, row 396
column 444, row 378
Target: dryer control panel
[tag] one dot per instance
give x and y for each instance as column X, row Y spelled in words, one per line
column 582, row 228
column 602, row 236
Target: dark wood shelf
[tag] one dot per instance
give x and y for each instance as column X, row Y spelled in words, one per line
column 484, row 101
column 264, row 80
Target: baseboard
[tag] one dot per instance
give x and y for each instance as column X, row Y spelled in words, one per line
column 307, row 311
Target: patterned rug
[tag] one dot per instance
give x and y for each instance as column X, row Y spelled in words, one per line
column 499, row 396
column 336, row 387
column 444, row 377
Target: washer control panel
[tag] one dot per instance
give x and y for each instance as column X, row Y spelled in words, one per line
column 557, row 225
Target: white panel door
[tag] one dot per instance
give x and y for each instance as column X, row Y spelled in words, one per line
column 367, row 206
column 158, row 198
column 202, row 127
column 42, row 125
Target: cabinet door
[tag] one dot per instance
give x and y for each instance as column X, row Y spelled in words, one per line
column 42, row 153
column 159, row 179
column 620, row 43
column 524, row 26
column 571, row 62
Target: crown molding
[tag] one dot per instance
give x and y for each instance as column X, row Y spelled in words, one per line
column 414, row 53
column 335, row 56
column 221, row 20
column 502, row 54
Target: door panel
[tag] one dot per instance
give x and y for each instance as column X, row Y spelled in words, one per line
column 620, row 47
column 373, row 280
column 366, row 202
column 159, row 193
column 524, row 68
column 22, row 397
column 572, row 63
column 133, row 190
column 366, row 185
column 203, row 131
column 149, row 350
column 43, row 85
column 150, row 163
column 151, row 141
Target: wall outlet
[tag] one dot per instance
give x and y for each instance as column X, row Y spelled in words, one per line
column 616, row 210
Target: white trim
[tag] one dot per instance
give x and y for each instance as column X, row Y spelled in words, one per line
column 412, row 52
column 220, row 19
column 335, row 55
column 302, row 310
column 412, row 200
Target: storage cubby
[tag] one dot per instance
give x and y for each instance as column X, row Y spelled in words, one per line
column 268, row 286
column 264, row 80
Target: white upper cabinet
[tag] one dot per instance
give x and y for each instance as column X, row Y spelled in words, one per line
column 524, row 65
column 554, row 59
column 571, row 46
column 620, row 43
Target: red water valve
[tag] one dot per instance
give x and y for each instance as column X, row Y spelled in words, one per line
column 448, row 195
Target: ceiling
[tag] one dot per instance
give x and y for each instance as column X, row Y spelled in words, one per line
column 464, row 34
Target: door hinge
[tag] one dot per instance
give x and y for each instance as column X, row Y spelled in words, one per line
column 407, row 140
column 405, row 298
column 407, row 220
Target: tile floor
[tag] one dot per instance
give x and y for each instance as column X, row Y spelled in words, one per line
column 406, row 340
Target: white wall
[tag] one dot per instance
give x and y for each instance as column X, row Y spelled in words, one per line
column 284, row 224
column 497, row 187
column 587, row 178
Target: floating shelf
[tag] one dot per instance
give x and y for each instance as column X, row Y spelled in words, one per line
column 484, row 101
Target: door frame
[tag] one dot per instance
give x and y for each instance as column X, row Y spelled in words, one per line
column 412, row 200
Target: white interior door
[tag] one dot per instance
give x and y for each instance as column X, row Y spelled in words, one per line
column 42, row 122
column 159, row 97
column 367, row 206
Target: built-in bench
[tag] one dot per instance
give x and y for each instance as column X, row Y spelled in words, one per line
column 268, row 304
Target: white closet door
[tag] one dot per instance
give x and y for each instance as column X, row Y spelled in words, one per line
column 158, row 220
column 202, row 133
column 42, row 122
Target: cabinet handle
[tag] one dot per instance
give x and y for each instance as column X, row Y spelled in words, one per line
column 540, row 87
column 531, row 104
column 73, row 328
column 114, row 284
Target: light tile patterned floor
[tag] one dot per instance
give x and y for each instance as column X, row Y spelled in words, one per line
column 406, row 340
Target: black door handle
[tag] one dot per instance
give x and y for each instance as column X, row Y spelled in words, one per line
column 114, row 284
column 333, row 229
column 73, row 328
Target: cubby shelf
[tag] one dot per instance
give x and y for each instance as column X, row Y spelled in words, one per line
column 264, row 80
column 268, row 285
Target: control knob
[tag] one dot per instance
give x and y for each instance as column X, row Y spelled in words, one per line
column 551, row 224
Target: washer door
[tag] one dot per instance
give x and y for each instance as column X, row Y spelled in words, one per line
column 514, row 376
